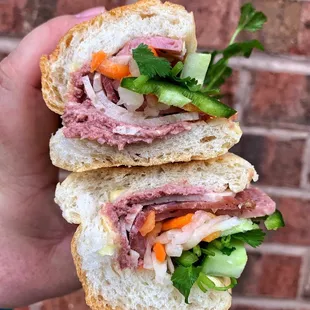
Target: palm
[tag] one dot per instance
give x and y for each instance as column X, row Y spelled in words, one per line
column 35, row 253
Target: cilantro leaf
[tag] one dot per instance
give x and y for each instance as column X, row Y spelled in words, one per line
column 190, row 83
column 228, row 250
column 184, row 278
column 242, row 48
column 224, row 245
column 252, row 237
column 250, row 19
column 149, row 64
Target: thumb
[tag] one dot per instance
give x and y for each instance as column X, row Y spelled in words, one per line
column 23, row 63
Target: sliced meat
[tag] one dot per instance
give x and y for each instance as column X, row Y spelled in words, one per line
column 109, row 89
column 77, row 93
column 136, row 241
column 84, row 121
column 250, row 203
column 124, row 203
column 157, row 42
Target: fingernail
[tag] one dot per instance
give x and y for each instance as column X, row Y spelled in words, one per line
column 90, row 12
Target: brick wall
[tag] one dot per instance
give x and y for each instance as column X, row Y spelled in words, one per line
column 272, row 94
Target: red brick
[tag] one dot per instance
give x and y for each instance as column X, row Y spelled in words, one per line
column 228, row 89
column 11, row 15
column 244, row 307
column 304, row 31
column 68, row 7
column 296, row 213
column 74, row 301
column 270, row 276
column 216, row 20
column 277, row 162
column 279, row 100
column 279, row 34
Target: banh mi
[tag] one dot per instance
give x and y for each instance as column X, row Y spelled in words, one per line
column 165, row 237
column 129, row 87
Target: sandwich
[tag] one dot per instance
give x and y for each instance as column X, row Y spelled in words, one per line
column 165, row 237
column 131, row 91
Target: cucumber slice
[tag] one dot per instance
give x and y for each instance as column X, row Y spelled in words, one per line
column 245, row 225
column 176, row 95
column 274, row 221
column 221, row 265
column 196, row 66
column 172, row 97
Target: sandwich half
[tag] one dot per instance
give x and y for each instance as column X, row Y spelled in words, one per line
column 165, row 237
column 129, row 87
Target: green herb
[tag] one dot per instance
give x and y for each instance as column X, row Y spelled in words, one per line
column 242, row 49
column 197, row 250
column 228, row 250
column 207, row 252
column 274, row 221
column 184, row 278
column 252, row 237
column 217, row 74
column 177, row 68
column 204, row 283
column 224, row 245
column 177, row 95
column 250, row 20
column 190, row 83
column 149, row 64
column 187, row 259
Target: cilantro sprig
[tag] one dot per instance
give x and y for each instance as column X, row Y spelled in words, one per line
column 184, row 278
column 150, row 65
column 254, row 238
column 250, row 20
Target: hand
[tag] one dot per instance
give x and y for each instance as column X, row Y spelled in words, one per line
column 35, row 255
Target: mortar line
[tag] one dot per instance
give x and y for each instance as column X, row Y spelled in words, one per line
column 242, row 93
column 273, row 63
column 303, row 276
column 304, row 183
column 270, row 303
column 281, row 249
column 286, row 192
column 277, row 64
column 283, row 134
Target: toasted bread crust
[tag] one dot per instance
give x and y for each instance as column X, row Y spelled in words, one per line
column 50, row 91
column 92, row 300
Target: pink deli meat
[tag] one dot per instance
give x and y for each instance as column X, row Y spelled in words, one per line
column 84, row 121
column 159, row 43
column 250, row 203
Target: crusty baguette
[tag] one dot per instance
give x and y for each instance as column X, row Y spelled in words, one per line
column 204, row 141
column 109, row 32
column 227, row 171
column 106, row 287
column 81, row 196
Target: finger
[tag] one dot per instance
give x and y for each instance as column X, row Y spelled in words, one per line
column 43, row 40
